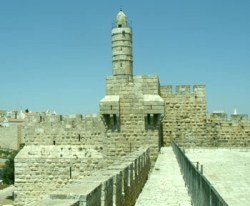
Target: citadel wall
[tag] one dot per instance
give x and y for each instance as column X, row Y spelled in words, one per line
column 65, row 130
column 11, row 137
column 187, row 122
column 40, row 170
column 228, row 132
column 185, row 114
column 54, row 145
column 132, row 112
column 119, row 184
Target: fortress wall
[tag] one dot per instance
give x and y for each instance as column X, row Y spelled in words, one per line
column 40, row 170
column 65, row 130
column 185, row 114
column 119, row 184
column 10, row 137
column 119, row 145
column 116, row 85
column 225, row 132
column 132, row 132
column 186, row 120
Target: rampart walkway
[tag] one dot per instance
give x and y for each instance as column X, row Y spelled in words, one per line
column 4, row 194
column 165, row 185
column 228, row 170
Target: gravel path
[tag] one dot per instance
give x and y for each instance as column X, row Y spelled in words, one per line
column 165, row 185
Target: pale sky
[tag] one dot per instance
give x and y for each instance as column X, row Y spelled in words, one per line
column 56, row 54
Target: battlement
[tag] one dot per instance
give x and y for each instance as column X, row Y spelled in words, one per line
column 135, row 78
column 55, row 118
column 148, row 76
column 238, row 117
column 183, row 89
column 49, row 123
column 221, row 115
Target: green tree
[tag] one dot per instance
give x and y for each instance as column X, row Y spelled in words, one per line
column 8, row 172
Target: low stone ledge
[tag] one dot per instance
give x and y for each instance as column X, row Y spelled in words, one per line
column 56, row 202
column 118, row 184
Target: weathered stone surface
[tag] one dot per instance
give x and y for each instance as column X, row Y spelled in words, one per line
column 165, row 185
column 228, row 171
column 118, row 184
column 40, row 170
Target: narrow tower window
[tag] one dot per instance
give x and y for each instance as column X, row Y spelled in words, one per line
column 115, row 120
column 70, row 173
column 148, row 119
column 120, row 64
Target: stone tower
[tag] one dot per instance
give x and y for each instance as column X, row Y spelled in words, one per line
column 122, row 58
column 132, row 108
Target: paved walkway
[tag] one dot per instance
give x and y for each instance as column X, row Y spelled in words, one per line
column 4, row 194
column 228, row 170
column 165, row 186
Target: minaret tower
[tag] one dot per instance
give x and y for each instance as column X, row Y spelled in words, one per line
column 122, row 58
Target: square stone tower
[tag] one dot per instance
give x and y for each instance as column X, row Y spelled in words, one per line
column 132, row 108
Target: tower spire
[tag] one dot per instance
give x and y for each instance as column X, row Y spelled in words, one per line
column 122, row 58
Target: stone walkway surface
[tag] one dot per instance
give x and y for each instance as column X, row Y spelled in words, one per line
column 228, row 170
column 165, row 186
column 4, row 194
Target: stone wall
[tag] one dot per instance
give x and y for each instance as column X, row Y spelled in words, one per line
column 42, row 169
column 119, row 184
column 228, row 132
column 126, row 100
column 90, row 131
column 185, row 114
column 65, row 130
column 186, row 120
column 11, row 137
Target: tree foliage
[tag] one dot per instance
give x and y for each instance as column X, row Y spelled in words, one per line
column 8, row 172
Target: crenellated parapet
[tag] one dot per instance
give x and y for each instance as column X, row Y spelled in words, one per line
column 239, row 117
column 47, row 129
column 228, row 130
column 57, row 120
column 141, row 84
column 183, row 89
column 224, row 117
column 218, row 115
column 185, row 113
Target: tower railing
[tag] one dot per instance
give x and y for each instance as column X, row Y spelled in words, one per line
column 199, row 188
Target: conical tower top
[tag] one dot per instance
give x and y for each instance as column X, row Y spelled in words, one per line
column 121, row 19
